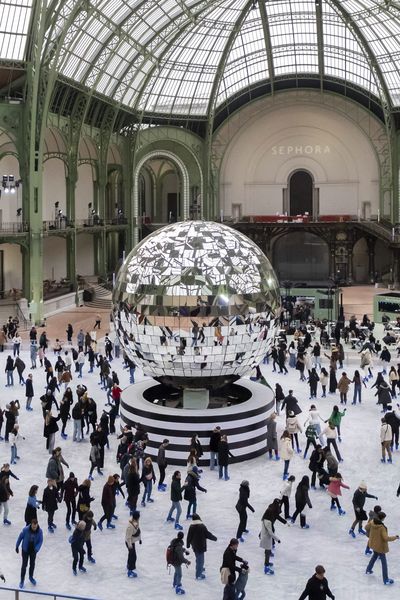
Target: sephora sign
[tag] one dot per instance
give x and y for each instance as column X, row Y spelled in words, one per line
column 299, row 150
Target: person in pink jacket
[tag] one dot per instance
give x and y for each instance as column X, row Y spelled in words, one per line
column 334, row 490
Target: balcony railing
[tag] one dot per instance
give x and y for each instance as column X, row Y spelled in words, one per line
column 14, row 227
column 16, row 594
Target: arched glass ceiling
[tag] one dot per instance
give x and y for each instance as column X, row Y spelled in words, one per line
column 190, row 56
column 14, row 23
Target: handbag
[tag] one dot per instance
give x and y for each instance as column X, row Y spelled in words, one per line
column 225, row 572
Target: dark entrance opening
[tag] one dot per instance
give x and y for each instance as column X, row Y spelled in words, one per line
column 301, row 193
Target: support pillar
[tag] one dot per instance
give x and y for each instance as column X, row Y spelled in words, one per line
column 371, row 259
column 395, row 267
column 332, row 266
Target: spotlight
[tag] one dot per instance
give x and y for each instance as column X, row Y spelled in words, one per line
column 19, row 212
column 56, row 204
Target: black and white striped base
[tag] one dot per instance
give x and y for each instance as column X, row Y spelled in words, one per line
column 244, row 424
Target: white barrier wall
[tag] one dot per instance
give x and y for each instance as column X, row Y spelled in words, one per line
column 265, row 150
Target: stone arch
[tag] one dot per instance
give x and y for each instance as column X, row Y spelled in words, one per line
column 360, row 261
column 185, row 180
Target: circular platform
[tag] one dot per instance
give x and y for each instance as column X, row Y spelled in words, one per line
column 244, row 423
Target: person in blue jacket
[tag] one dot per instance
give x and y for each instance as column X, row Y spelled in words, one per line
column 32, row 539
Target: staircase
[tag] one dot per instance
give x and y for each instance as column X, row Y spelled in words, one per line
column 101, row 297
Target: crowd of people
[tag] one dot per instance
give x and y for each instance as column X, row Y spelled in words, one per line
column 78, row 414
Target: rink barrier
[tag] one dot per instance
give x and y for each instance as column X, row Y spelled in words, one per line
column 54, row 595
column 244, row 424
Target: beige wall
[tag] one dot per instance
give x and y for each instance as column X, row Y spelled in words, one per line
column 12, row 264
column 265, row 150
column 54, row 258
column 84, row 254
column 54, row 188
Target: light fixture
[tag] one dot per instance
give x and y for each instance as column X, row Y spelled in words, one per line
column 56, row 204
column 19, row 212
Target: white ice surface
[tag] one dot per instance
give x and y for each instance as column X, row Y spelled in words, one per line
column 327, row 541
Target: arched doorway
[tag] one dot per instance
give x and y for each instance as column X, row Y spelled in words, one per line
column 301, row 188
column 301, row 256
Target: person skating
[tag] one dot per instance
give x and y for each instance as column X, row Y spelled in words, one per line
column 324, row 380
column 334, row 491
column 31, row 538
column 132, row 481
column 241, row 582
column 331, row 435
column 317, row 587
column 90, row 522
column 272, row 437
column 215, row 438
column 162, row 465
column 77, row 541
column 29, row 393
column 373, row 514
column 223, row 457
column 230, row 591
column 336, row 419
column 50, row 502
column 294, row 428
column 311, row 436
column 32, row 505
column 286, row 492
column 302, row 500
column 266, row 536
column 286, row 452
column 386, row 440
column 148, row 478
column 241, row 506
column 84, row 498
column 177, row 560
column 291, row 404
column 378, row 542
column 359, row 498
column 107, row 503
column 132, row 537
column 176, row 498
column 393, row 418
column 197, row 537
column 191, row 485
column 69, row 493
column 230, row 558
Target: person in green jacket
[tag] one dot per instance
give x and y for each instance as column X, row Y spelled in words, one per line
column 336, row 419
column 311, row 435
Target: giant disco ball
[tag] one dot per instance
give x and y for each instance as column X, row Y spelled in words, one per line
column 195, row 304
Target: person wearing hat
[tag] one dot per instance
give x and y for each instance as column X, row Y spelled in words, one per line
column 197, row 537
column 77, row 541
column 359, row 498
column 317, row 587
column 69, row 493
column 191, row 484
column 132, row 536
column 178, row 559
column 378, row 542
column 107, row 502
column 241, row 506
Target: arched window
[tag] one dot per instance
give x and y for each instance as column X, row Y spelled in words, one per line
column 301, row 193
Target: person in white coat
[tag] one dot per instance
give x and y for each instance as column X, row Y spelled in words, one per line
column 294, row 428
column 386, row 440
column 286, row 452
column 314, row 419
column 286, row 492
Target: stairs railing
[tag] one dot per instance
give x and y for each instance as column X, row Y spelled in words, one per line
column 18, row 594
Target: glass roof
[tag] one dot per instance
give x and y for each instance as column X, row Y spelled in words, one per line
column 14, row 23
column 189, row 57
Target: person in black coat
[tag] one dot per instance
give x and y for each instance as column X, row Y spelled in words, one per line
column 223, row 457
column 230, row 558
column 84, row 497
column 29, row 393
column 291, row 404
column 191, row 484
column 359, row 498
column 11, row 419
column 69, row 493
column 50, row 502
column 197, row 537
column 132, row 482
column 77, row 541
column 215, row 438
column 230, row 589
column 302, row 500
column 316, row 463
column 195, row 444
column 392, row 418
column 317, row 587
column 241, row 506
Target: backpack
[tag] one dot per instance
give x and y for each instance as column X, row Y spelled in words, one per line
column 170, row 555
